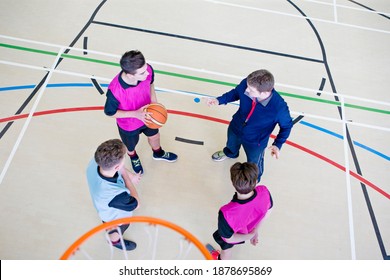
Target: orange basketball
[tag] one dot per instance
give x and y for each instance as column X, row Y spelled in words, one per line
column 159, row 115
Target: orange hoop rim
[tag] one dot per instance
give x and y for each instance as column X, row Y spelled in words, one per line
column 136, row 219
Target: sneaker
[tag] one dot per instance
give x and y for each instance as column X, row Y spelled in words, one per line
column 167, row 156
column 214, row 253
column 219, row 156
column 136, row 164
column 130, row 245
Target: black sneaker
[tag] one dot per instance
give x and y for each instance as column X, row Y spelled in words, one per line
column 130, row 245
column 136, row 164
column 167, row 156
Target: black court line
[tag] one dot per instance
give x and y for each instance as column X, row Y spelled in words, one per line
column 97, row 86
column 297, row 119
column 23, row 106
column 349, row 139
column 322, row 85
column 189, row 141
column 85, row 45
column 94, row 82
column 368, row 8
column 177, row 36
column 37, row 88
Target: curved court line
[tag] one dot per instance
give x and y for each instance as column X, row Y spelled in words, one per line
column 366, row 10
column 297, row 16
column 60, row 85
column 314, row 99
column 364, row 147
column 370, row 10
column 203, row 71
column 203, row 117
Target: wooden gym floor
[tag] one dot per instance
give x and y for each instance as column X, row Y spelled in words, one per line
column 331, row 62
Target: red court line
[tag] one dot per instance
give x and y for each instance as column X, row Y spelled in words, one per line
column 49, row 112
column 295, row 145
column 339, row 166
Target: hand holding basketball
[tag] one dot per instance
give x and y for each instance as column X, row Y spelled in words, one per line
column 157, row 115
column 141, row 114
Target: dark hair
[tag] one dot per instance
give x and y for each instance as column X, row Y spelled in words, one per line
column 131, row 61
column 244, row 176
column 110, row 153
column 262, row 80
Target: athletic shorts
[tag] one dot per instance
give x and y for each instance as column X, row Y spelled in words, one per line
column 131, row 138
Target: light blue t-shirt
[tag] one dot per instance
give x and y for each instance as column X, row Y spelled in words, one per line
column 104, row 192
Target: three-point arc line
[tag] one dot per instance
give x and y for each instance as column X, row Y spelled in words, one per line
column 193, row 115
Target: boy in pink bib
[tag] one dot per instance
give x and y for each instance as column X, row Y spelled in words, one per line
column 128, row 94
column 240, row 219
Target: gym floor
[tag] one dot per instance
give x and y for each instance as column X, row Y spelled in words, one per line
column 330, row 185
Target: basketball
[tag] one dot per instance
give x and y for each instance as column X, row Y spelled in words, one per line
column 158, row 117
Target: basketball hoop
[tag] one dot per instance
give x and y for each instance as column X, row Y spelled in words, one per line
column 146, row 232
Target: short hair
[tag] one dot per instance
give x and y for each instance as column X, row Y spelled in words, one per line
column 262, row 80
column 131, row 61
column 244, row 176
column 110, row 153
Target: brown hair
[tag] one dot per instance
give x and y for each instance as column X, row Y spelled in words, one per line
column 262, row 80
column 131, row 61
column 244, row 176
column 110, row 153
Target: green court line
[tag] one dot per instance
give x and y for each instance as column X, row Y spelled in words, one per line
column 90, row 59
column 194, row 78
column 314, row 99
column 27, row 49
column 337, row 103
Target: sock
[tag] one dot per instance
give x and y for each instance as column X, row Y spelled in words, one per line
column 159, row 152
column 133, row 156
column 115, row 242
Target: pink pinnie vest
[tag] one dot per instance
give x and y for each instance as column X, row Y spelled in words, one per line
column 131, row 99
column 243, row 218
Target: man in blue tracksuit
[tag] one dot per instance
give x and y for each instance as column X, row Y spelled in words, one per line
column 261, row 109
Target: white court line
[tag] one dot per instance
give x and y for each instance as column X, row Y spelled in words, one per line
column 28, row 120
column 348, row 7
column 334, row 94
column 335, row 11
column 294, row 113
column 348, row 183
column 299, row 16
column 200, row 71
column 186, row 93
column 57, row 46
column 55, row 70
column 277, row 84
column 344, row 122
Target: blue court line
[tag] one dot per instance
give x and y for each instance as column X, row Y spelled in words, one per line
column 379, row 154
column 342, row 138
column 50, row 86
